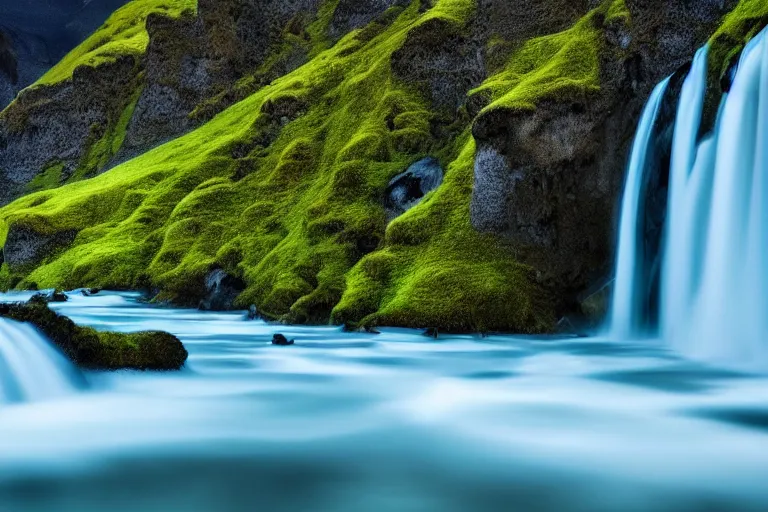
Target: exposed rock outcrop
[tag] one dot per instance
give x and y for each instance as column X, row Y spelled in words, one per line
column 549, row 180
column 24, row 246
column 406, row 190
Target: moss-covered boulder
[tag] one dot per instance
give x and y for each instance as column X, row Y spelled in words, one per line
column 94, row 350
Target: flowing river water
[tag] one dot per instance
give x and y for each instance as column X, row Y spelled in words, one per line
column 396, row 421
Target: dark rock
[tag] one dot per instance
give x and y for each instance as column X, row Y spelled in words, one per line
column 281, row 340
column 441, row 60
column 221, row 291
column 365, row 329
column 48, row 297
column 90, row 292
column 352, row 14
column 24, row 246
column 432, row 333
column 406, row 190
column 94, row 350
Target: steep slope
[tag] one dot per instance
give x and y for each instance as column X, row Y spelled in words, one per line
column 40, row 32
column 285, row 190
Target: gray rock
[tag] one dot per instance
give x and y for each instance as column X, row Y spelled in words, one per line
column 24, row 246
column 221, row 291
column 406, row 190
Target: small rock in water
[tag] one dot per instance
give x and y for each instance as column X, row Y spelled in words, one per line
column 46, row 297
column 279, row 339
column 253, row 313
column 432, row 333
column 90, row 292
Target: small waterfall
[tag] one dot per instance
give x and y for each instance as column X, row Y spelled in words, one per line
column 628, row 295
column 714, row 290
column 31, row 368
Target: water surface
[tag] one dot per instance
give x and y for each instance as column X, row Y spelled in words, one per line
column 398, row 421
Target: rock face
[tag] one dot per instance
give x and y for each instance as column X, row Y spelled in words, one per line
column 550, row 180
column 55, row 127
column 406, row 190
column 24, row 246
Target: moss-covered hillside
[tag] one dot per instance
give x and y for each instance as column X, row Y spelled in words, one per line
column 285, row 189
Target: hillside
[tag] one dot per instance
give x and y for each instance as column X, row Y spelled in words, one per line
column 188, row 147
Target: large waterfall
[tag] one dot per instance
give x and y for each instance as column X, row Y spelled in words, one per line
column 31, row 368
column 713, row 297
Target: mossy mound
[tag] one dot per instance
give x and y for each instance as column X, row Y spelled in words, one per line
column 94, row 350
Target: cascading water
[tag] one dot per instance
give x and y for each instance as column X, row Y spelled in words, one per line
column 31, row 368
column 714, row 289
column 626, row 312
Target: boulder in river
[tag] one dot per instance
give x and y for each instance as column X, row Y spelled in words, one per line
column 281, row 340
column 90, row 349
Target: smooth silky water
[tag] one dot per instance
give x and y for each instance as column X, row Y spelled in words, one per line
column 398, row 421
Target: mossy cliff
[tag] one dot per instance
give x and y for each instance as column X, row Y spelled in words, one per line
column 528, row 106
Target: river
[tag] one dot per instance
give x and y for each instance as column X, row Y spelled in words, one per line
column 396, row 421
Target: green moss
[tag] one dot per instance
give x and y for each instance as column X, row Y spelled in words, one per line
column 436, row 271
column 50, row 177
column 91, row 349
column 738, row 27
column 617, row 12
column 123, row 34
column 546, row 66
column 562, row 66
column 284, row 190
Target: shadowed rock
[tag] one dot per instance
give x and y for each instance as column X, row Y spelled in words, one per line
column 24, row 246
column 406, row 190
column 222, row 290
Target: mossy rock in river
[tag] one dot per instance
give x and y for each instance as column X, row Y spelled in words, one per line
column 95, row 350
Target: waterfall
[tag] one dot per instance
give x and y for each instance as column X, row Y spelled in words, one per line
column 626, row 310
column 31, row 368
column 714, row 290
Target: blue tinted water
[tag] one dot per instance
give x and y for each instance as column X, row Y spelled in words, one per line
column 397, row 421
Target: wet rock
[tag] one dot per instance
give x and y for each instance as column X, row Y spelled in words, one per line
column 90, row 292
column 94, row 350
column 406, row 190
column 49, row 296
column 281, row 340
column 365, row 329
column 221, row 291
column 432, row 333
column 726, row 81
